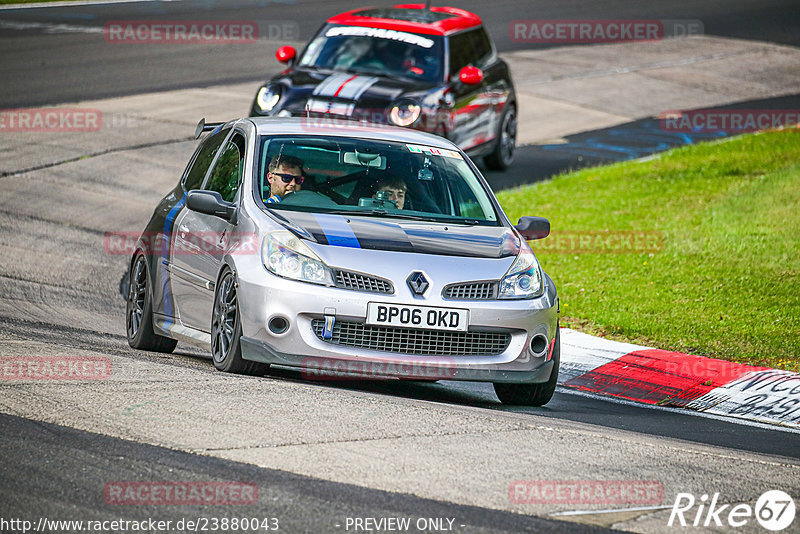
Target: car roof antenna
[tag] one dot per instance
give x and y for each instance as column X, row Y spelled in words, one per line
column 428, row 5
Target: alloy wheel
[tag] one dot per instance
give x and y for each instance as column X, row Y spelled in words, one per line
column 223, row 321
column 136, row 297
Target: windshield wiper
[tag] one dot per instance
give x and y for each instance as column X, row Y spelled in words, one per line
column 364, row 71
column 315, row 67
column 382, row 213
column 390, row 75
column 385, row 213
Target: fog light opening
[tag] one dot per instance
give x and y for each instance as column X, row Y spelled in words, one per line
column 278, row 325
column 539, row 345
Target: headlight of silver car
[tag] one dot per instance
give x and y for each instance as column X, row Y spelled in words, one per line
column 286, row 255
column 524, row 279
column 267, row 98
column 405, row 113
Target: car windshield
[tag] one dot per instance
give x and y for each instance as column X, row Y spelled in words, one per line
column 376, row 51
column 371, row 178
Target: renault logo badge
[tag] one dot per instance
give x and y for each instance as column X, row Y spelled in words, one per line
column 418, row 283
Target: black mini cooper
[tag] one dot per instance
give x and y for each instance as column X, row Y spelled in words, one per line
column 433, row 69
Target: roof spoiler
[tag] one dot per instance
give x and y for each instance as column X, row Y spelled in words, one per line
column 204, row 126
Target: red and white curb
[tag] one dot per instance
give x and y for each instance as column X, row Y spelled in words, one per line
column 664, row 378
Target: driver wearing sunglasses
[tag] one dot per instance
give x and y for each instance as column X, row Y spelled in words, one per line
column 285, row 176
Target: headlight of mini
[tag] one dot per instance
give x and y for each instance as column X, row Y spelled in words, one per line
column 267, row 98
column 286, row 255
column 524, row 279
column 405, row 113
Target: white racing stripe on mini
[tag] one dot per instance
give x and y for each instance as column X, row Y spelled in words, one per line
column 345, row 85
column 329, row 85
column 355, row 88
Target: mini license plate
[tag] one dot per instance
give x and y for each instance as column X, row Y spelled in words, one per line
column 452, row 319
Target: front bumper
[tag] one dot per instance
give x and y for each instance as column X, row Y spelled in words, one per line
column 410, row 368
column 264, row 297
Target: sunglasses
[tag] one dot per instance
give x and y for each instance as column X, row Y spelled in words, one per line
column 287, row 178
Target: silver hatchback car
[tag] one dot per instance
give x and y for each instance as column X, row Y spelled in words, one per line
column 348, row 251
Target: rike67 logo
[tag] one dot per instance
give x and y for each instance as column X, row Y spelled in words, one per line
column 774, row 510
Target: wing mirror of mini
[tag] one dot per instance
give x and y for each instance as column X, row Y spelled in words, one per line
column 285, row 54
column 470, row 75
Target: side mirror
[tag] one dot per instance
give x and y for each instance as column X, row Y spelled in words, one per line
column 470, row 75
column 211, row 203
column 285, row 54
column 533, row 227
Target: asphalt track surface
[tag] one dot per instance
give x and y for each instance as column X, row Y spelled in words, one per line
column 45, row 63
column 301, row 504
column 52, row 469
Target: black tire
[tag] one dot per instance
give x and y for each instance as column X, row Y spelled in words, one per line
column 503, row 154
column 532, row 394
column 226, row 330
column 139, row 312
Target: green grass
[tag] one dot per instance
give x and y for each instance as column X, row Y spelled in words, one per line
column 725, row 283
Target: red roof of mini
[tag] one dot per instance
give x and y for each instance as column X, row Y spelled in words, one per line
column 460, row 20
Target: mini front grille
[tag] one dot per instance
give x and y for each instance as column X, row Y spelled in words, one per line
column 363, row 282
column 471, row 291
column 412, row 341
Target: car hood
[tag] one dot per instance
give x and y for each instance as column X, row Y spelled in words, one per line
column 343, row 93
column 402, row 236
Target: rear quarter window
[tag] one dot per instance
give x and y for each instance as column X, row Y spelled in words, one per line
column 194, row 178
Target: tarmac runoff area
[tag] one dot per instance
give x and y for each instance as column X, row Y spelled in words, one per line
column 63, row 191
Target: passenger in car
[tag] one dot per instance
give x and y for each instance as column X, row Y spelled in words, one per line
column 285, row 176
column 396, row 189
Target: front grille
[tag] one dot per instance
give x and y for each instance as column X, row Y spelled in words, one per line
column 363, row 282
column 412, row 341
column 333, row 108
column 471, row 291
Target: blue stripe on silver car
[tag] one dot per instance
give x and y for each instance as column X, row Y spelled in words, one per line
column 167, row 292
column 337, row 231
